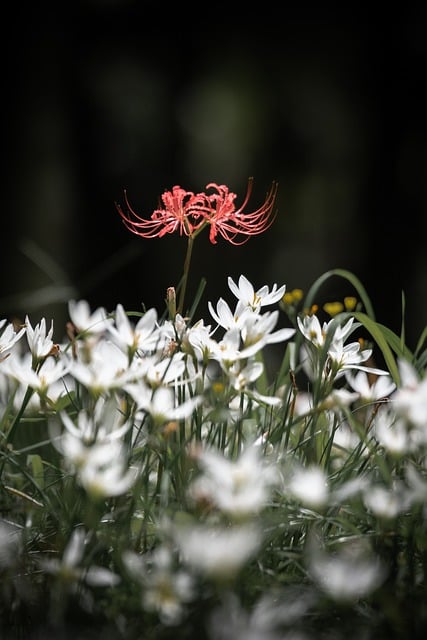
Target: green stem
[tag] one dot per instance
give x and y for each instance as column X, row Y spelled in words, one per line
column 185, row 275
column 10, row 436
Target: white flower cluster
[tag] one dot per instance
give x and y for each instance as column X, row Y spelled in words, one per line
column 161, row 371
column 123, row 389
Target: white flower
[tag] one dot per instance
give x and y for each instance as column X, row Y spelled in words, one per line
column 162, row 404
column 10, row 543
column 303, row 403
column 225, row 317
column 227, row 350
column 39, row 342
column 140, row 336
column 345, row 439
column 157, row 372
column 348, row 575
column 102, row 424
column 241, row 377
column 85, row 321
column 394, row 434
column 105, row 472
column 368, row 391
column 262, row 399
column 238, row 487
column 340, row 357
column 309, row 485
column 198, row 340
column 174, row 330
column 69, row 571
column 217, row 552
column 384, row 502
column 347, row 356
column 248, row 297
column 164, row 588
column 264, row 620
column 344, row 357
column 8, row 338
column 339, row 398
column 257, row 331
column 107, row 368
column 316, row 334
column 417, row 485
column 410, row 399
column 44, row 378
column 101, row 468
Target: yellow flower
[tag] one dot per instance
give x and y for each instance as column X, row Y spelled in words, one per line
column 333, row 308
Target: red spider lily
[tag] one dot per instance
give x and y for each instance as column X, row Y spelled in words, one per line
column 181, row 213
column 229, row 222
column 188, row 213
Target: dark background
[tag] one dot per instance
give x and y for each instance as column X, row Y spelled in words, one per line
column 101, row 96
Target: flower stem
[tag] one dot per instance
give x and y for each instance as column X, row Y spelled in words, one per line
column 183, row 284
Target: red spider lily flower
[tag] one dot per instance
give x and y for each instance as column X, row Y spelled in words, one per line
column 181, row 213
column 229, row 222
column 188, row 213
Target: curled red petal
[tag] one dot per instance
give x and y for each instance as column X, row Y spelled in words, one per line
column 187, row 212
column 232, row 223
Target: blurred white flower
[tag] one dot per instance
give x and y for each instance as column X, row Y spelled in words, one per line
column 368, row 391
column 344, row 357
column 231, row 620
column 85, row 321
column 70, row 570
column 351, row 573
column 106, row 368
column 338, row 399
column 43, row 378
column 103, row 469
column 161, row 372
column 395, row 434
column 417, row 485
column 101, row 466
column 309, row 486
column 10, row 543
column 239, row 488
column 410, row 399
column 385, row 502
column 345, row 439
column 103, row 423
column 162, row 404
column 9, row 337
column 241, row 374
column 165, row 589
column 217, row 552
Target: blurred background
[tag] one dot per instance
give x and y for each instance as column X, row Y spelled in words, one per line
column 105, row 95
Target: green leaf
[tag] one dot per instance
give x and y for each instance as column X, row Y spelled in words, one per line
column 36, row 464
column 382, row 338
column 354, row 281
